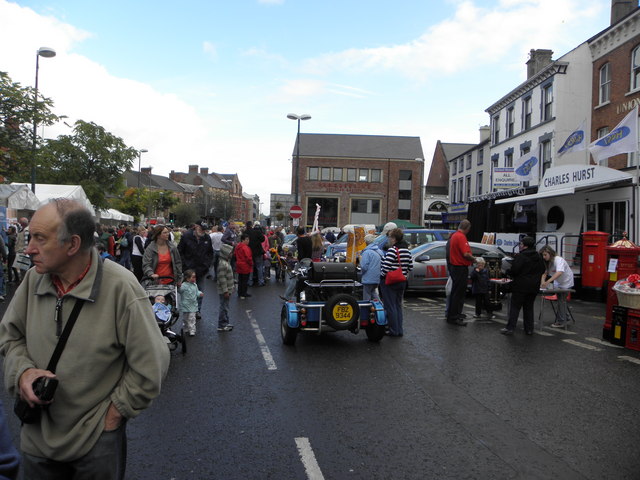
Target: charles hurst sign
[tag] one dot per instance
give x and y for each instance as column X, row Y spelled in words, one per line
column 579, row 176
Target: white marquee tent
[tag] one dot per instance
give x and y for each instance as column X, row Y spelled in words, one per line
column 18, row 197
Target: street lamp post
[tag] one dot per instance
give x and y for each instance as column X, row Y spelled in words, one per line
column 46, row 53
column 293, row 116
column 140, row 152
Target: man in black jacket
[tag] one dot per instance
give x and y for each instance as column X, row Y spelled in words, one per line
column 256, row 237
column 526, row 270
column 196, row 254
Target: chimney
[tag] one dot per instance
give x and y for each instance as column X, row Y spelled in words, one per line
column 193, row 168
column 146, row 170
column 485, row 133
column 204, row 171
column 538, row 59
column 621, row 8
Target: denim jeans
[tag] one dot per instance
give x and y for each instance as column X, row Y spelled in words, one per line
column 369, row 291
column 258, row 265
column 105, row 461
column 393, row 295
column 223, row 315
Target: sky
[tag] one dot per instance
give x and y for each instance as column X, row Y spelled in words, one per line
column 210, row 82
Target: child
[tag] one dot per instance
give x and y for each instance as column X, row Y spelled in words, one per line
column 480, row 287
column 244, row 265
column 162, row 311
column 225, row 286
column 189, row 295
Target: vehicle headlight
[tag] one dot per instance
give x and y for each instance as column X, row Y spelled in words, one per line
column 303, row 296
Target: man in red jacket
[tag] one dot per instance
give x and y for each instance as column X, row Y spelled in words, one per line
column 244, row 265
column 460, row 258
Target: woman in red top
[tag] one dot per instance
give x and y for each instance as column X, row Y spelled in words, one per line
column 244, row 265
column 161, row 257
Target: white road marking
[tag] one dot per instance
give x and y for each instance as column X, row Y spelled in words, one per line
column 266, row 353
column 630, row 359
column 560, row 330
column 604, row 343
column 309, row 459
column 583, row 345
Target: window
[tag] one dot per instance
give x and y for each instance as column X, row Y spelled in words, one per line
column 376, row 175
column 467, row 192
column 363, row 175
column 495, row 129
column 635, row 68
column 479, row 183
column 404, row 194
column 362, row 205
column 337, row 174
column 510, row 122
column 454, row 167
column 453, row 192
column 508, row 160
column 461, row 165
column 545, row 155
column 526, row 111
column 481, row 156
column 325, row 174
column 405, row 174
column 461, row 191
column 601, row 132
column 547, row 96
column 469, row 162
column 313, row 173
column 605, row 84
column 351, row 174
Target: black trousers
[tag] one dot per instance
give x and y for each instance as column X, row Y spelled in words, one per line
column 524, row 301
column 459, row 278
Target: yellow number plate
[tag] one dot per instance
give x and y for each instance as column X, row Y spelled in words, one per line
column 343, row 313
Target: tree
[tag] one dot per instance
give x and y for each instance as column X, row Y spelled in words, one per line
column 91, row 157
column 17, row 112
column 186, row 214
column 222, row 206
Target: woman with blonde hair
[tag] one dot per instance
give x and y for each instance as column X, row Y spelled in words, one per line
column 317, row 247
column 560, row 275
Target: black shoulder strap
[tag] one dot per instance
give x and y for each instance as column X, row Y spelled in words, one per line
column 62, row 341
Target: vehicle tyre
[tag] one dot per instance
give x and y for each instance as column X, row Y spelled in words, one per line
column 342, row 311
column 375, row 332
column 289, row 334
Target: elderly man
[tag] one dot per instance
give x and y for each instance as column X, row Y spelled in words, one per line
column 459, row 259
column 113, row 363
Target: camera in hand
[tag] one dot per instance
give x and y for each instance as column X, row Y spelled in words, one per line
column 44, row 388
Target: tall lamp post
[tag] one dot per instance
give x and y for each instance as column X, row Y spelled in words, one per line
column 293, row 116
column 46, row 53
column 140, row 152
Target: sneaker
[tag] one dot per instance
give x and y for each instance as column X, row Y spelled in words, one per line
column 242, row 298
column 506, row 331
column 2, row 298
column 226, row 328
column 491, row 317
column 192, row 333
column 557, row 325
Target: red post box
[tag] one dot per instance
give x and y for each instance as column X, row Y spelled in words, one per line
column 594, row 260
column 627, row 264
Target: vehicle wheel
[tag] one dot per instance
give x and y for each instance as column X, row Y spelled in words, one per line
column 341, row 311
column 289, row 334
column 183, row 340
column 375, row 332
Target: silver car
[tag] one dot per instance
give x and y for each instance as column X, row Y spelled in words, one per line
column 430, row 265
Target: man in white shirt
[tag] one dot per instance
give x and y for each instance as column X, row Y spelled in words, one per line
column 216, row 243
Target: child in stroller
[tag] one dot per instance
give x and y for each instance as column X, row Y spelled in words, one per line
column 164, row 298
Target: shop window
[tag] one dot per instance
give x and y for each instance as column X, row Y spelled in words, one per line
column 313, row 173
column 376, row 175
column 351, row 174
column 337, row 174
column 363, row 175
column 325, row 173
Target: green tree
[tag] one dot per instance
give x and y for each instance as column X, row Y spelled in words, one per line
column 17, row 112
column 91, row 157
column 222, row 206
column 185, row 213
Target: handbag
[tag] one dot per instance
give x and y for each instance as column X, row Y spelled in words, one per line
column 21, row 408
column 22, row 262
column 397, row 275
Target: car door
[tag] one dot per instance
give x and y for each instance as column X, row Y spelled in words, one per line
column 429, row 270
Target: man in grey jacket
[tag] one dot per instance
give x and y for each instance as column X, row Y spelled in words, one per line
column 113, row 363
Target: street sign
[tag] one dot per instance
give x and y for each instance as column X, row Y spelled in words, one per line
column 296, row 211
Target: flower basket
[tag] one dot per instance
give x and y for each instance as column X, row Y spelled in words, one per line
column 628, row 291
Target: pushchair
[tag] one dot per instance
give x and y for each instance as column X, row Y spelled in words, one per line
column 166, row 314
column 279, row 264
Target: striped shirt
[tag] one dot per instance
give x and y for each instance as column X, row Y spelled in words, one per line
column 390, row 261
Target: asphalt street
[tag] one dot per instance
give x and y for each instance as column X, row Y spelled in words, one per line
column 442, row 402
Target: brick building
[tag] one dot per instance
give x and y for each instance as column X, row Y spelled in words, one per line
column 359, row 178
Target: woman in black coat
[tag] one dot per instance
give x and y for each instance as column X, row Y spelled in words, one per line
column 526, row 270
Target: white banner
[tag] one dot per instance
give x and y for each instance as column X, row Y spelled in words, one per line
column 623, row 139
column 504, row 178
column 526, row 168
column 576, row 141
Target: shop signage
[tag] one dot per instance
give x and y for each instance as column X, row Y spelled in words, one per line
column 579, row 176
column 504, row 178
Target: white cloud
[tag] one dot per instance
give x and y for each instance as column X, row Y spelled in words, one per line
column 474, row 37
column 210, row 49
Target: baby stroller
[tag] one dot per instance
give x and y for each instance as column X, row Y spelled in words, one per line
column 166, row 314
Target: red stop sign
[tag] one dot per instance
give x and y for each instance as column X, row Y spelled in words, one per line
column 296, row 211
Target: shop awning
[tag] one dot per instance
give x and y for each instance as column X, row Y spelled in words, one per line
column 535, row 196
